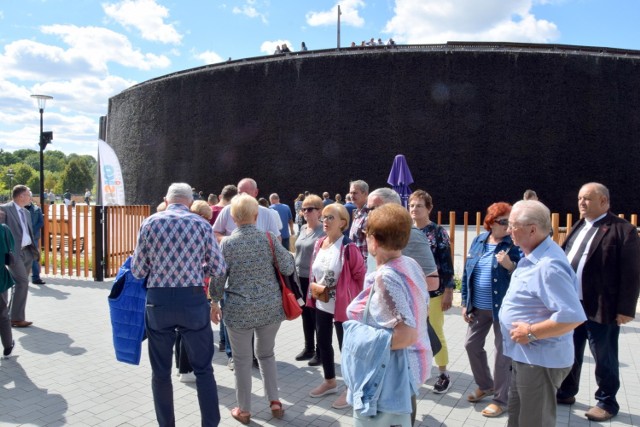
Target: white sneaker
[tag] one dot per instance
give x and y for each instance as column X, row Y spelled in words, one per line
column 189, row 377
column 230, row 364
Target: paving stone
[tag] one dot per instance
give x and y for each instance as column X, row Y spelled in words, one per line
column 63, row 372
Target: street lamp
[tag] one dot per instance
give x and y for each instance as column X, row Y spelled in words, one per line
column 45, row 138
column 10, row 174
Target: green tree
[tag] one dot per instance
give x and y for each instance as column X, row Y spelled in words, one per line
column 50, row 179
column 33, row 160
column 7, row 158
column 23, row 173
column 53, row 163
column 77, row 176
column 23, row 153
column 34, row 183
column 56, row 153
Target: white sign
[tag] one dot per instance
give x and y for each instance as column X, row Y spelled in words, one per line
column 111, row 184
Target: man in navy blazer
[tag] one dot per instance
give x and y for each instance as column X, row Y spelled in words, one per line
column 605, row 252
column 18, row 219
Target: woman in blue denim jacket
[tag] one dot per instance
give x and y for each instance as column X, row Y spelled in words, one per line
column 490, row 262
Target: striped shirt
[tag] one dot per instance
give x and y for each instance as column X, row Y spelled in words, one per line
column 176, row 248
column 482, row 288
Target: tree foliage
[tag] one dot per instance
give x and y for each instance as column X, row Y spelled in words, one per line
column 61, row 171
column 77, row 176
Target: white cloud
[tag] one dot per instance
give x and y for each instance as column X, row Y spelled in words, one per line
column 269, row 47
column 348, row 8
column 146, row 16
column 249, row 9
column 439, row 21
column 90, row 49
column 209, row 57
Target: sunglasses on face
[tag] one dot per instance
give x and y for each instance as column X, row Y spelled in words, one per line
column 309, row 209
column 502, row 222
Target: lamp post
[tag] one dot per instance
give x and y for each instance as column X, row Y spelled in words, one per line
column 44, row 140
column 10, row 174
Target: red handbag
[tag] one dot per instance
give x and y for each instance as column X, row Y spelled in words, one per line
column 290, row 304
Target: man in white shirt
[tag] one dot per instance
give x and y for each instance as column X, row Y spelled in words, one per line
column 18, row 219
column 267, row 221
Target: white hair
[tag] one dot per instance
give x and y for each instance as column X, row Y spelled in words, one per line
column 532, row 212
column 388, row 195
column 179, row 192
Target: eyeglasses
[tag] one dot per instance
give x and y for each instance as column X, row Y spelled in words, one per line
column 328, row 218
column 412, row 206
column 309, row 209
column 502, row 222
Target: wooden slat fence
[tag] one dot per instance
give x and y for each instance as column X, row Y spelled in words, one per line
column 70, row 243
column 559, row 232
column 64, row 240
column 121, row 225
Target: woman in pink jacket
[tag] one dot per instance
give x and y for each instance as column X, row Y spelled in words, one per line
column 337, row 277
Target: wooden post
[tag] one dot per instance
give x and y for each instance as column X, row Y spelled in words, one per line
column 452, row 232
column 466, row 238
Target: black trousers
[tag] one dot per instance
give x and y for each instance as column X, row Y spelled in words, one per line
column 308, row 318
column 324, row 331
column 603, row 342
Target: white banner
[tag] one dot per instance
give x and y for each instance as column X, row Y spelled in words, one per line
column 111, row 183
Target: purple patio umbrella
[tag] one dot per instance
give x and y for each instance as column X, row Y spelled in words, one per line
column 400, row 178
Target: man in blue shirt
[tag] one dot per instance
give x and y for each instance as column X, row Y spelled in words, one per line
column 176, row 250
column 285, row 216
column 538, row 315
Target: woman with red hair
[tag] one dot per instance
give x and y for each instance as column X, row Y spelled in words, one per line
column 487, row 273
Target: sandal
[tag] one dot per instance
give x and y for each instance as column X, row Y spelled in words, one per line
column 243, row 417
column 478, row 395
column 276, row 409
column 492, row 410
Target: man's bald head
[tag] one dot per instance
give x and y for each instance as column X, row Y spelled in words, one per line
column 248, row 186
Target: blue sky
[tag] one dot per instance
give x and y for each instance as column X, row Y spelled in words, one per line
column 82, row 52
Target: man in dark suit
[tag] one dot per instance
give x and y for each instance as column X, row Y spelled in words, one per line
column 18, row 220
column 604, row 250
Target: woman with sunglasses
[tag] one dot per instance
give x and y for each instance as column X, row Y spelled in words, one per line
column 337, row 268
column 487, row 273
column 311, row 209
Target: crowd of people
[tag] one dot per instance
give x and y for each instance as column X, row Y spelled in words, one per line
column 283, row 48
column 381, row 276
column 373, row 42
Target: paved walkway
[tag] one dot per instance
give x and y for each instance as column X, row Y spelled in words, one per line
column 63, row 372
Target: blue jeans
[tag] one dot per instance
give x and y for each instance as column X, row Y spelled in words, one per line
column 187, row 310
column 603, row 342
column 223, row 334
column 285, row 242
column 35, row 265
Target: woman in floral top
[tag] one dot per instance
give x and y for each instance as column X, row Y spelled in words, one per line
column 253, row 303
column 420, row 206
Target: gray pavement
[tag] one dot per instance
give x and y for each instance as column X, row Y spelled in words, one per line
column 63, row 372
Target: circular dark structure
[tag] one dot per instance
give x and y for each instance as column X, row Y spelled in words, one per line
column 477, row 122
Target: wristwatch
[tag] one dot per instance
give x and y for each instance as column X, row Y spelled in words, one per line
column 530, row 335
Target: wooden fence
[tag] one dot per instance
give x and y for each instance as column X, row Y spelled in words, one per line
column 121, row 226
column 76, row 240
column 89, row 241
column 559, row 232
